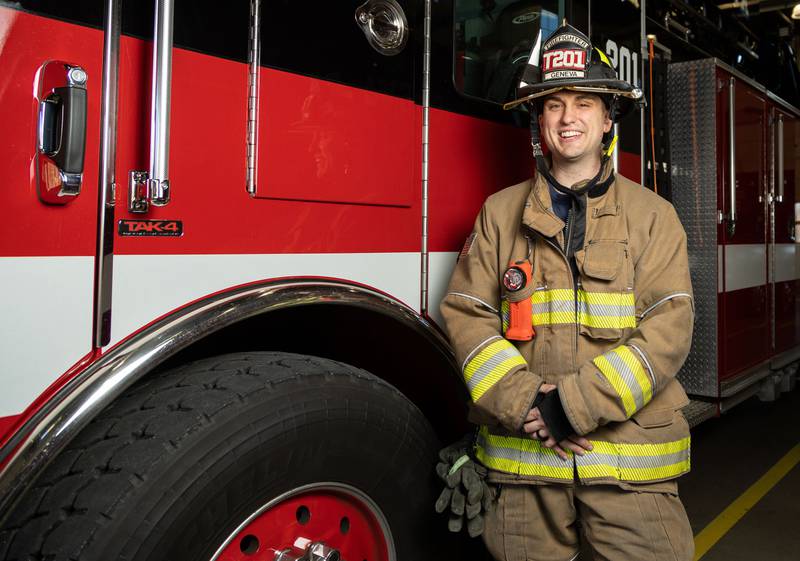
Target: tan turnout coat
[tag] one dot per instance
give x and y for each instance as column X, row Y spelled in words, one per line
column 613, row 343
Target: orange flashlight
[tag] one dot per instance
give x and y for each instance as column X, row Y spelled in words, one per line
column 517, row 277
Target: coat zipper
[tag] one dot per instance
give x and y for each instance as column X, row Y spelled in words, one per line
column 568, row 236
column 574, row 282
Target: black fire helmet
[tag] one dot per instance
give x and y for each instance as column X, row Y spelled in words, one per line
column 567, row 61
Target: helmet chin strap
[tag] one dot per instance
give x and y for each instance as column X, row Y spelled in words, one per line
column 609, row 141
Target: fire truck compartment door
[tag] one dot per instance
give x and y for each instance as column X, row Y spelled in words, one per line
column 337, row 120
column 746, row 325
column 47, row 251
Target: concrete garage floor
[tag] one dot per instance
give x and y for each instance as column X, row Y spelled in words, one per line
column 731, row 453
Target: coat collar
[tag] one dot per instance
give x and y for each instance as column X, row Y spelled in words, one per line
column 538, row 214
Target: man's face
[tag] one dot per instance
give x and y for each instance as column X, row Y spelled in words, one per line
column 572, row 125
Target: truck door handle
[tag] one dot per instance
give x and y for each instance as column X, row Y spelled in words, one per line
column 61, row 142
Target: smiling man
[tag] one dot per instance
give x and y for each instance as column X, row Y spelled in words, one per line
column 571, row 312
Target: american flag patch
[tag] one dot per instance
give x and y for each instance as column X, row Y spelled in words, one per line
column 467, row 246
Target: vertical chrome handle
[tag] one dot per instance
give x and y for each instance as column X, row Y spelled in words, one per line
column 104, row 265
column 732, row 153
column 158, row 181
column 780, row 178
column 252, row 95
column 61, row 136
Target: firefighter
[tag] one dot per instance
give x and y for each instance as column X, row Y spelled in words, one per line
column 570, row 310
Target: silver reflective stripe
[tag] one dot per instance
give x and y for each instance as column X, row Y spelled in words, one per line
column 490, row 365
column 476, row 350
column 609, row 310
column 663, row 300
column 554, row 306
column 627, row 376
column 646, row 365
column 542, row 458
column 478, row 300
column 631, row 462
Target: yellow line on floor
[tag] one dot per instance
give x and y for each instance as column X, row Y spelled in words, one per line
column 720, row 526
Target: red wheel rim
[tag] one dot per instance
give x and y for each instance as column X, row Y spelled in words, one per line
column 337, row 515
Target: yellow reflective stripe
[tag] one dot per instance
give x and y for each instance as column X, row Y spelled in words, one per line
column 607, row 298
column 638, row 370
column 606, row 322
column 553, row 306
column 553, row 295
column 485, row 354
column 607, row 460
column 627, row 376
column 492, row 363
column 649, row 449
column 523, row 456
column 553, row 318
column 617, row 383
column 494, row 376
column 635, row 462
column 505, row 314
column 531, row 470
column 609, row 310
column 604, row 310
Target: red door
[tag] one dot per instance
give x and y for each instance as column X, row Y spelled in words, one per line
column 784, row 273
column 746, row 324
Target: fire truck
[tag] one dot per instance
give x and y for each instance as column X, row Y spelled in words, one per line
column 229, row 228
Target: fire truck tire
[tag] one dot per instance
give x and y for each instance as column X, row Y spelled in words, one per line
column 176, row 464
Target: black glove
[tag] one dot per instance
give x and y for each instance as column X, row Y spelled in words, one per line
column 466, row 494
column 554, row 416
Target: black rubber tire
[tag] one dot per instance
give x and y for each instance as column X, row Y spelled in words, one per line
column 174, row 465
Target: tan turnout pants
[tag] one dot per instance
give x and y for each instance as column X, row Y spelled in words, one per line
column 539, row 523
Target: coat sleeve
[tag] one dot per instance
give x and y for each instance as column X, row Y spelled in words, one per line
column 620, row 382
column 496, row 374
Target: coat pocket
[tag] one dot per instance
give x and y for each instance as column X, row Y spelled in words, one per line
column 605, row 296
column 652, row 419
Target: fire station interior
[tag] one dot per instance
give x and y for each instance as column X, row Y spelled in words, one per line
column 718, row 136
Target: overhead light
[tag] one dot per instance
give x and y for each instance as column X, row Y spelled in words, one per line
column 796, row 11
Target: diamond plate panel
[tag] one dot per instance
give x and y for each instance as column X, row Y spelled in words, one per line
column 691, row 109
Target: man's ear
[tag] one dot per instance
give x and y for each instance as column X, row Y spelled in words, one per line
column 607, row 122
column 540, row 121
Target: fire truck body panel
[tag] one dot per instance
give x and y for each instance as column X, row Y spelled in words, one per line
column 371, row 235
column 47, row 258
column 749, row 331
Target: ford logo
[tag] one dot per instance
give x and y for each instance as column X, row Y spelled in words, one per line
column 526, row 18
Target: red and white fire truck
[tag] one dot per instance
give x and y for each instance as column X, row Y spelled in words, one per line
column 229, row 227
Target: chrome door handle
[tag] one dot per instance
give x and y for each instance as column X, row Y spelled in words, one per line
column 61, row 134
column 780, row 171
column 732, row 155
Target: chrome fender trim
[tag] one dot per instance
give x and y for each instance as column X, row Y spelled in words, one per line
column 50, row 429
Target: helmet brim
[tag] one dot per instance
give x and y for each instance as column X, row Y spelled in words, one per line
column 600, row 87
